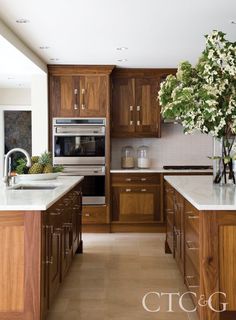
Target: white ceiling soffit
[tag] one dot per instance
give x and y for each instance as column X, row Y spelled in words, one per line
column 16, row 70
column 157, row 33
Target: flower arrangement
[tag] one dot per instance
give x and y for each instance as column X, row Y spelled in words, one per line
column 203, row 97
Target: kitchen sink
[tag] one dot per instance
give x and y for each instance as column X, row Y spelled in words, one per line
column 34, row 187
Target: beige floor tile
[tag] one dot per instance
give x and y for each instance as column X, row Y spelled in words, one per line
column 110, row 279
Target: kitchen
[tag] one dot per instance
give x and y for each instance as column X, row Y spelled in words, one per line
column 107, row 229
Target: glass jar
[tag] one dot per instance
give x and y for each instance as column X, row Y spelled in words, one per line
column 143, row 157
column 127, row 157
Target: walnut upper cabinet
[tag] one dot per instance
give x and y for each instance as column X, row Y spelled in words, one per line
column 76, row 91
column 135, row 109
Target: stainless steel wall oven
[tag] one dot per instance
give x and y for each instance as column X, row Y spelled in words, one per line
column 79, row 145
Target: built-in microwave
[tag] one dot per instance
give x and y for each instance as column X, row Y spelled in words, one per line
column 79, row 141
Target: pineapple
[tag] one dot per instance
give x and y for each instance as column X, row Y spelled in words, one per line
column 34, row 159
column 48, row 168
column 36, row 168
column 45, row 158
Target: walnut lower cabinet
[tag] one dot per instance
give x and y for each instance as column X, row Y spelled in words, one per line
column 36, row 250
column 203, row 244
column 136, row 199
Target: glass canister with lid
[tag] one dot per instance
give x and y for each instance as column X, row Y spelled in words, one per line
column 127, row 157
column 143, row 157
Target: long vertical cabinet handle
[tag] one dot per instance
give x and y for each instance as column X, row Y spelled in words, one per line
column 76, row 99
column 138, row 115
column 131, row 109
column 83, row 102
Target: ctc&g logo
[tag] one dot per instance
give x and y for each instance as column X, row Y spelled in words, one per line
column 202, row 302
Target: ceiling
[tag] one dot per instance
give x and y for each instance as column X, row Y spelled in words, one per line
column 157, row 33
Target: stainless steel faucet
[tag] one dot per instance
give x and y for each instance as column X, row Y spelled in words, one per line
column 6, row 175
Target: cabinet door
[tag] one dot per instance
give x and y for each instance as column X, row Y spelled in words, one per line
column 64, row 96
column 54, row 261
column 93, row 96
column 136, row 204
column 123, row 104
column 146, row 106
column 169, row 215
column 77, row 222
column 179, row 230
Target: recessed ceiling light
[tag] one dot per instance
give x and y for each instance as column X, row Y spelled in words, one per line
column 54, row 59
column 122, row 60
column 233, row 22
column 22, row 20
column 44, row 47
column 122, row 48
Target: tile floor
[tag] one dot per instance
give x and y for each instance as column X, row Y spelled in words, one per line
column 110, row 279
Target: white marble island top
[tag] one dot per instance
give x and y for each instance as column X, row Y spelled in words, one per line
column 12, row 199
column 203, row 194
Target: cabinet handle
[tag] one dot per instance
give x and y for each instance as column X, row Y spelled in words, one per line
column 190, row 245
column 128, row 190
column 189, row 278
column 193, row 217
column 57, row 213
column 131, row 108
column 128, row 179
column 83, row 103
column 143, row 179
column 87, row 214
column 76, row 99
column 138, row 115
column 143, row 190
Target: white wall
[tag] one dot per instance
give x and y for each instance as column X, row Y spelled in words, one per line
column 174, row 147
column 15, row 96
column 39, row 103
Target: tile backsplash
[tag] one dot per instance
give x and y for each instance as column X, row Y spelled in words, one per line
column 173, row 148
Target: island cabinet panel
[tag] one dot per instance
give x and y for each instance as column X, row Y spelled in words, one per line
column 20, row 240
column 12, row 266
column 209, row 255
column 169, row 214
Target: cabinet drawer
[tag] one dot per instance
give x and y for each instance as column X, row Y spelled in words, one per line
column 191, row 217
column 136, row 179
column 94, row 215
column 192, row 251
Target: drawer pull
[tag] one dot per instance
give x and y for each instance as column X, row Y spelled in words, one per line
column 143, row 179
column 192, row 217
column 128, row 190
column 128, row 179
column 191, row 245
column 143, row 190
column 87, row 214
column 188, row 280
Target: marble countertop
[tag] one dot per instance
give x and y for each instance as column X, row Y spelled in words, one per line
column 155, row 170
column 203, row 194
column 11, row 199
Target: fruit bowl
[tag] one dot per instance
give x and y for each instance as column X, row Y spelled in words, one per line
column 38, row 177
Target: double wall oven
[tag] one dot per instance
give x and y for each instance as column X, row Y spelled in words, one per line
column 79, row 145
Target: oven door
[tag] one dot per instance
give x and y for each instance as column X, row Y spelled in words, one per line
column 76, row 149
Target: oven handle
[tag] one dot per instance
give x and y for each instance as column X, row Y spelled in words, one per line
column 87, row 134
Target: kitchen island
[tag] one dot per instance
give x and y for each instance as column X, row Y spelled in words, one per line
column 201, row 235
column 40, row 232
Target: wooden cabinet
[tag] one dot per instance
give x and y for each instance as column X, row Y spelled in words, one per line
column 79, row 91
column 136, row 198
column 79, row 96
column 135, row 108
